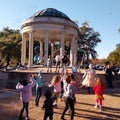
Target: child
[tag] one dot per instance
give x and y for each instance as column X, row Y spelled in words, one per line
column 98, row 89
column 56, row 83
column 89, row 78
column 48, row 106
column 69, row 99
column 39, row 85
column 25, row 95
column 74, row 85
column 74, row 88
column 49, row 64
column 63, row 74
column 62, row 91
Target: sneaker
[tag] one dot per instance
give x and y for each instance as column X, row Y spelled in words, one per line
column 36, row 104
column 27, row 118
column 55, row 105
column 96, row 106
column 100, row 110
column 69, row 111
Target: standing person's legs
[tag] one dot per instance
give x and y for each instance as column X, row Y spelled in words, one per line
column 22, row 110
column 96, row 104
column 65, row 109
column 64, row 67
column 51, row 116
column 61, row 94
column 45, row 116
column 109, row 81
column 48, row 67
column 26, row 108
column 56, row 95
column 100, row 104
column 71, row 104
column 100, row 101
column 38, row 95
column 88, row 89
column 56, row 66
column 62, row 90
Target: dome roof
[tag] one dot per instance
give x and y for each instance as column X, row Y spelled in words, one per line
column 50, row 12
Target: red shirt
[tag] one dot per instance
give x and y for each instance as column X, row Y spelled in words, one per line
column 98, row 89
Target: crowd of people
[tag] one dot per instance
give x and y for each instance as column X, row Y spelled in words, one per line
column 65, row 87
column 58, row 61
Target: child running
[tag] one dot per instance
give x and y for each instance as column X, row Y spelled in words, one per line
column 98, row 89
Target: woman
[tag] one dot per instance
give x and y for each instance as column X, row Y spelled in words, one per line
column 89, row 78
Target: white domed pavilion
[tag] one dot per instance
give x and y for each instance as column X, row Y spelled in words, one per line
column 49, row 26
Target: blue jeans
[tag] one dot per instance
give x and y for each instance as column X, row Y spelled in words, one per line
column 38, row 95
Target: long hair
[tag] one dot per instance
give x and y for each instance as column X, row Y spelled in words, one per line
column 99, row 82
column 55, row 79
column 68, row 79
column 72, row 76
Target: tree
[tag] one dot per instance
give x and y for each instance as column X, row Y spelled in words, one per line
column 10, row 45
column 119, row 30
column 114, row 56
column 88, row 40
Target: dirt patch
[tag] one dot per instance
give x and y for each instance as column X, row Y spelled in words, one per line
column 10, row 106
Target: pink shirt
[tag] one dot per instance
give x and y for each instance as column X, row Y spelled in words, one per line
column 57, row 87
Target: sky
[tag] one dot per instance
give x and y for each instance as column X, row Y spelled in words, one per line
column 102, row 15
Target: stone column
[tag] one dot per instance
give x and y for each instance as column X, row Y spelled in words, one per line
column 41, row 50
column 62, row 45
column 23, row 49
column 52, row 49
column 30, row 49
column 46, row 46
column 72, row 52
column 75, row 52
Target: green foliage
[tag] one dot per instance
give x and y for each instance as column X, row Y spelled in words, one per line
column 88, row 40
column 10, row 45
column 114, row 57
column 119, row 30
